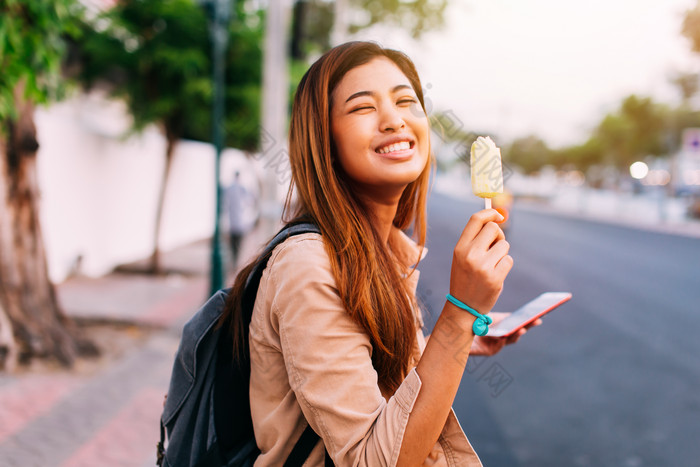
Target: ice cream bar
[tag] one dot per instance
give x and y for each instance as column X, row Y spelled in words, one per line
column 487, row 173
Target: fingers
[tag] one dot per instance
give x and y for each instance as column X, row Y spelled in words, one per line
column 490, row 234
column 489, row 240
column 477, row 222
column 503, row 212
column 504, row 266
column 480, row 262
column 487, row 346
column 513, row 338
column 492, row 345
column 498, row 316
column 537, row 322
column 497, row 252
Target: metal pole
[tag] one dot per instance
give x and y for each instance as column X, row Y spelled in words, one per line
column 274, row 109
column 219, row 38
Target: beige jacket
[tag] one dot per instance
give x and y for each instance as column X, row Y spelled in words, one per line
column 311, row 362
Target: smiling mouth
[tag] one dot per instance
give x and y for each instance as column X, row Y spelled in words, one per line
column 395, row 147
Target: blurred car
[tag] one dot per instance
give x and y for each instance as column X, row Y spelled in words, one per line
column 694, row 207
column 503, row 203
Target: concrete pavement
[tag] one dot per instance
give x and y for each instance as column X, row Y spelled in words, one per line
column 106, row 412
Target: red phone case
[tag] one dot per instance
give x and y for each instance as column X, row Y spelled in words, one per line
column 528, row 313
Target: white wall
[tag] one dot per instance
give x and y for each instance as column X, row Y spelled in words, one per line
column 99, row 190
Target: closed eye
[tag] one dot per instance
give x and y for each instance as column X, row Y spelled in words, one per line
column 362, row 108
column 408, row 100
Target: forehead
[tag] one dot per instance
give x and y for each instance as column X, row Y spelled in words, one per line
column 379, row 75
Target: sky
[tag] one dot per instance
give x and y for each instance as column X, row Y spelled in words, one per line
column 547, row 67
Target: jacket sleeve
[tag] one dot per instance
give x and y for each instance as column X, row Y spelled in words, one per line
column 328, row 358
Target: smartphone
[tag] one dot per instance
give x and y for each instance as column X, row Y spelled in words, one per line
column 528, row 313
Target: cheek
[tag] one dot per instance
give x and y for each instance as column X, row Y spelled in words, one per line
column 349, row 141
column 422, row 130
column 421, row 123
column 342, row 151
column 339, row 143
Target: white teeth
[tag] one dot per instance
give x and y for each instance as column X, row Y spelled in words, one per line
column 402, row 146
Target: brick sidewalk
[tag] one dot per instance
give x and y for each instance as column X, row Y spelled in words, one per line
column 108, row 416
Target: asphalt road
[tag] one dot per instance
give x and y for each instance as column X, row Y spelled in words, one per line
column 612, row 378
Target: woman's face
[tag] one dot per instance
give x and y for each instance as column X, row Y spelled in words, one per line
column 379, row 128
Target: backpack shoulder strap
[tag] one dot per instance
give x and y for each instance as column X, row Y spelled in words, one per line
column 305, row 444
column 253, row 281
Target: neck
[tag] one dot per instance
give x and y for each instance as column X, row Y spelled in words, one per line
column 382, row 211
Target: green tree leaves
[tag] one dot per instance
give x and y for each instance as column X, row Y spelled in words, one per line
column 32, row 48
column 415, row 16
column 156, row 55
column 153, row 54
column 529, row 153
column 639, row 127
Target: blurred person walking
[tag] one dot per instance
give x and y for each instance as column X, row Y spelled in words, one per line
column 243, row 213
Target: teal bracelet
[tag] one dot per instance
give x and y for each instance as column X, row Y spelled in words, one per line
column 481, row 325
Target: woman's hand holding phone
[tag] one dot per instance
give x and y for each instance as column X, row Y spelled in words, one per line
column 486, row 346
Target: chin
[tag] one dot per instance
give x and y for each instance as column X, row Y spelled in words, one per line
column 403, row 180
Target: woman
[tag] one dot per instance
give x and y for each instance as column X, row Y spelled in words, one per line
column 335, row 338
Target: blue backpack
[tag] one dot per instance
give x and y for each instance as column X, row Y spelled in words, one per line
column 207, row 409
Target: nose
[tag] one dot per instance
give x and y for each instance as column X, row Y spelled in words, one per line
column 391, row 119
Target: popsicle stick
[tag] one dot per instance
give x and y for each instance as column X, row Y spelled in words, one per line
column 487, row 202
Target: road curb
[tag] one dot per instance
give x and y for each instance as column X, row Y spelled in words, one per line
column 687, row 229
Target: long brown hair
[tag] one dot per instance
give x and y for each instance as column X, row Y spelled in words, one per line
column 368, row 281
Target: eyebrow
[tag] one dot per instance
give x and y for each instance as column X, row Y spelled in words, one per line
column 372, row 93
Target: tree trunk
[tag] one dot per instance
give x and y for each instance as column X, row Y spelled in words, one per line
column 31, row 321
column 298, row 28
column 155, row 266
